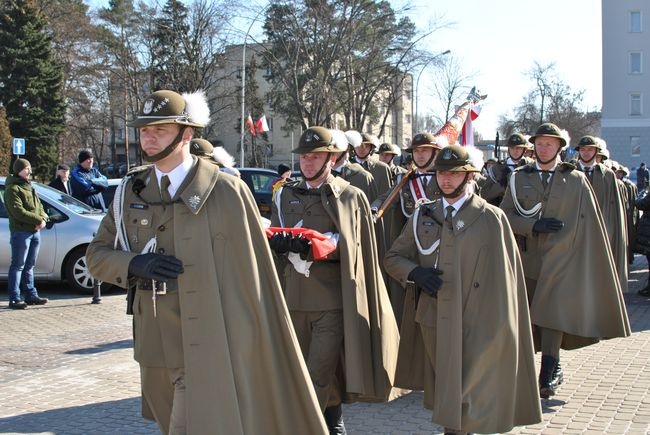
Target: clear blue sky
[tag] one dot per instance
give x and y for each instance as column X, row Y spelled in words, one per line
column 501, row 39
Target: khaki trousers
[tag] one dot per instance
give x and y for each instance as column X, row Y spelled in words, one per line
column 320, row 334
column 163, row 390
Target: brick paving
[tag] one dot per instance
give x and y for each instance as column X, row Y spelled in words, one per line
column 67, row 368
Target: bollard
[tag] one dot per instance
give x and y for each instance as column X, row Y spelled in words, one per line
column 97, row 292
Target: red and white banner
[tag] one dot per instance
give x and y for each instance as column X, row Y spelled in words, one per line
column 468, row 129
column 262, row 125
column 249, row 123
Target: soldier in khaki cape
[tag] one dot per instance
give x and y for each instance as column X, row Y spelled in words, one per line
column 210, row 323
column 497, row 175
column 387, row 153
column 605, row 187
column 420, row 187
column 366, row 157
column 573, row 289
column 349, row 171
column 631, row 211
column 338, row 305
column 466, row 335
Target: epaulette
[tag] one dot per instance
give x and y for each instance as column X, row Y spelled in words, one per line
column 137, row 169
column 427, row 208
column 566, row 167
column 291, row 184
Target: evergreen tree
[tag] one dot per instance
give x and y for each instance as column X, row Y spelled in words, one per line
column 170, row 50
column 5, row 144
column 31, row 83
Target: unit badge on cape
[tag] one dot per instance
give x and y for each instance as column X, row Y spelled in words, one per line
column 194, row 201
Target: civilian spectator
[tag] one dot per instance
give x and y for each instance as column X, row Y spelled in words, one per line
column 61, row 180
column 87, row 182
column 26, row 219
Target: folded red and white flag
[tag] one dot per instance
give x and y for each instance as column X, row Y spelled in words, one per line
column 321, row 245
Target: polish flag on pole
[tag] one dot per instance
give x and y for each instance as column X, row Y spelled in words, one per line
column 467, row 137
column 262, row 125
column 249, row 123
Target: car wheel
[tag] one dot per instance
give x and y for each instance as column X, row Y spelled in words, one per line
column 77, row 274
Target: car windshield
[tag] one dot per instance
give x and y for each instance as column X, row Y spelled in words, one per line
column 62, row 198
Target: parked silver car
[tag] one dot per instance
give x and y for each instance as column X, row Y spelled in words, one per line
column 62, row 256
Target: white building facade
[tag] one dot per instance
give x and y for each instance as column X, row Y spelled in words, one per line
column 625, row 121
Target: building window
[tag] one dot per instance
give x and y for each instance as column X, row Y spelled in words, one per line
column 119, row 134
column 635, row 104
column 635, row 146
column 635, row 63
column 269, row 122
column 635, row 21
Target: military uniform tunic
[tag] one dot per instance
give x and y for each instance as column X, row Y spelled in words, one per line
column 321, row 291
column 158, row 339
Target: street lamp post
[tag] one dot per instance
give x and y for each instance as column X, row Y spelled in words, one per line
column 417, row 83
column 243, row 84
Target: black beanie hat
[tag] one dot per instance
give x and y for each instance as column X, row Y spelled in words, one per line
column 84, row 155
column 282, row 168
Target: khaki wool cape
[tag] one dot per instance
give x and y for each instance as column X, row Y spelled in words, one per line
column 578, row 290
column 371, row 338
column 243, row 369
column 608, row 196
column 482, row 377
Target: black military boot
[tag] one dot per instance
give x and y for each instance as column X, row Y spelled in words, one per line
column 558, row 375
column 645, row 291
column 334, row 420
column 546, row 387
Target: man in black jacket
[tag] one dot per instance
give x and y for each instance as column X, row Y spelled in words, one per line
column 61, row 180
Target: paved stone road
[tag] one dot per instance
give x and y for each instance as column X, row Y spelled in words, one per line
column 67, row 368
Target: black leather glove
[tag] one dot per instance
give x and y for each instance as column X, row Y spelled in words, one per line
column 279, row 242
column 548, row 225
column 299, row 245
column 155, row 266
column 427, row 279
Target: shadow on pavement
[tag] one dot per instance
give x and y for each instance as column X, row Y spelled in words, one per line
column 114, row 417
column 548, row 405
column 122, row 344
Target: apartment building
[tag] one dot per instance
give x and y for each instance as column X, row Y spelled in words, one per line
column 625, row 121
column 281, row 138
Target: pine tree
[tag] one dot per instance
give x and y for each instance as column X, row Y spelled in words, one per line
column 5, row 144
column 31, row 83
column 169, row 52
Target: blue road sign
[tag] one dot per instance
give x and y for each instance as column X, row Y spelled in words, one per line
column 19, row 146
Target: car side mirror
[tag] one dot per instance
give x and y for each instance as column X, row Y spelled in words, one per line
column 49, row 224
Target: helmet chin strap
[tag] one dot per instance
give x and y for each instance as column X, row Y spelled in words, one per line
column 549, row 160
column 340, row 158
column 457, row 191
column 320, row 171
column 366, row 156
column 516, row 159
column 428, row 163
column 167, row 151
column 587, row 161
